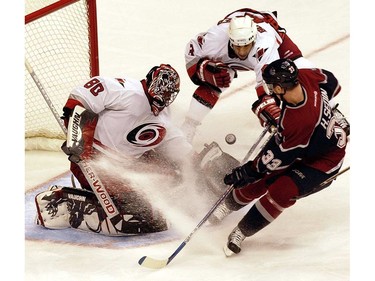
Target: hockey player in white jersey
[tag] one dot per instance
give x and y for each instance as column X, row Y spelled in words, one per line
column 245, row 40
column 121, row 119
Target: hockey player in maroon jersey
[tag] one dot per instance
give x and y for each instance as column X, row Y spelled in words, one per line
column 307, row 149
column 126, row 121
column 245, row 40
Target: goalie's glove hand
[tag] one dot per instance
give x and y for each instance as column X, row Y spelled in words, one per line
column 267, row 110
column 74, row 152
column 214, row 73
column 80, row 134
column 242, row 176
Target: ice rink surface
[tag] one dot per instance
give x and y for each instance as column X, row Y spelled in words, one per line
column 310, row 241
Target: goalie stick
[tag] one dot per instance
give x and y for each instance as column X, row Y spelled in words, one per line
column 156, row 263
column 91, row 176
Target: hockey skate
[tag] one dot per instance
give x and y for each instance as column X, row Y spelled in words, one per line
column 235, row 239
column 219, row 214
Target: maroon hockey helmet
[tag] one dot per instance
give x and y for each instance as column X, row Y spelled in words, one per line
column 163, row 84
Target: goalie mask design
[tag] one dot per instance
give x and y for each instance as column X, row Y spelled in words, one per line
column 163, row 84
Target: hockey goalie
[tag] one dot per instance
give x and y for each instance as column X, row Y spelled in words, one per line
column 127, row 123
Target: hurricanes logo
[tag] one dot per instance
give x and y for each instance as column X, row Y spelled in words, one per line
column 146, row 135
column 259, row 53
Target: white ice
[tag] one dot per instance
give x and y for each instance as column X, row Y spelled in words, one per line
column 310, row 241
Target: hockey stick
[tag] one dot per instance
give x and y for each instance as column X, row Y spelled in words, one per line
column 88, row 171
column 323, row 184
column 156, row 263
column 251, row 151
column 45, row 95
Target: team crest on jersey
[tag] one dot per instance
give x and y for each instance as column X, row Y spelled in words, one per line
column 146, row 135
column 259, row 53
column 121, row 81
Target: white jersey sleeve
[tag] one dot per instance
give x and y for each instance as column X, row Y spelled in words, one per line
column 100, row 93
column 265, row 49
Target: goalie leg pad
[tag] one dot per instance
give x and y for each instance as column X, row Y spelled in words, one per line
column 64, row 207
column 52, row 210
column 215, row 164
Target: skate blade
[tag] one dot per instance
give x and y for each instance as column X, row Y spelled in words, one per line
column 227, row 251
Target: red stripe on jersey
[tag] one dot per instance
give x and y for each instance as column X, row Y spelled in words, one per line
column 72, row 103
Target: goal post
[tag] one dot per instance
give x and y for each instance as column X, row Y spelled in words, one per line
column 61, row 46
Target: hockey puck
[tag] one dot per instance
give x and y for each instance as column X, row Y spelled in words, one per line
column 230, row 138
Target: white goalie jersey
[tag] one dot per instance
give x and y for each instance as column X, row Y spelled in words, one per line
column 126, row 124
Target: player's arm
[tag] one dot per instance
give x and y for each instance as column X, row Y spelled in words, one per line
column 91, row 96
column 330, row 84
column 266, row 107
column 80, row 134
column 80, row 117
column 272, row 158
column 201, row 65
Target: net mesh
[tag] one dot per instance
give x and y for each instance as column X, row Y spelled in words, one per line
column 57, row 48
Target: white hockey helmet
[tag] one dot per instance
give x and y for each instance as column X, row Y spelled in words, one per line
column 242, row 30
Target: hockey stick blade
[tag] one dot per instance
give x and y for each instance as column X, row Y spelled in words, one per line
column 157, row 264
column 153, row 263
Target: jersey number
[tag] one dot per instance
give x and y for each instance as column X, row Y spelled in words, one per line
column 95, row 86
column 270, row 161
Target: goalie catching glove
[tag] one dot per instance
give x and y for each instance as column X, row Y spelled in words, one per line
column 214, row 73
column 242, row 176
column 80, row 135
column 267, row 110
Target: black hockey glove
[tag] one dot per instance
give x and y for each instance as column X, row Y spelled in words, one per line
column 242, row 176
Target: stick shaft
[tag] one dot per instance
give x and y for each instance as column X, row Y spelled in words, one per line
column 45, row 95
column 252, row 149
column 156, row 264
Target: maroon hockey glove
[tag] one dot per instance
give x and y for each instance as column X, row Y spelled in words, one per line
column 214, row 73
column 267, row 110
column 242, row 176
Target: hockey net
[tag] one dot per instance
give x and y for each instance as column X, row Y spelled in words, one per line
column 62, row 49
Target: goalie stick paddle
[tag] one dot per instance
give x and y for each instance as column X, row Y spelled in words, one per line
column 158, row 264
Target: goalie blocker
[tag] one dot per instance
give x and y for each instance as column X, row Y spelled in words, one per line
column 66, row 207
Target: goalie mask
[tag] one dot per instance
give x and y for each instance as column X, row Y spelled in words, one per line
column 163, row 84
